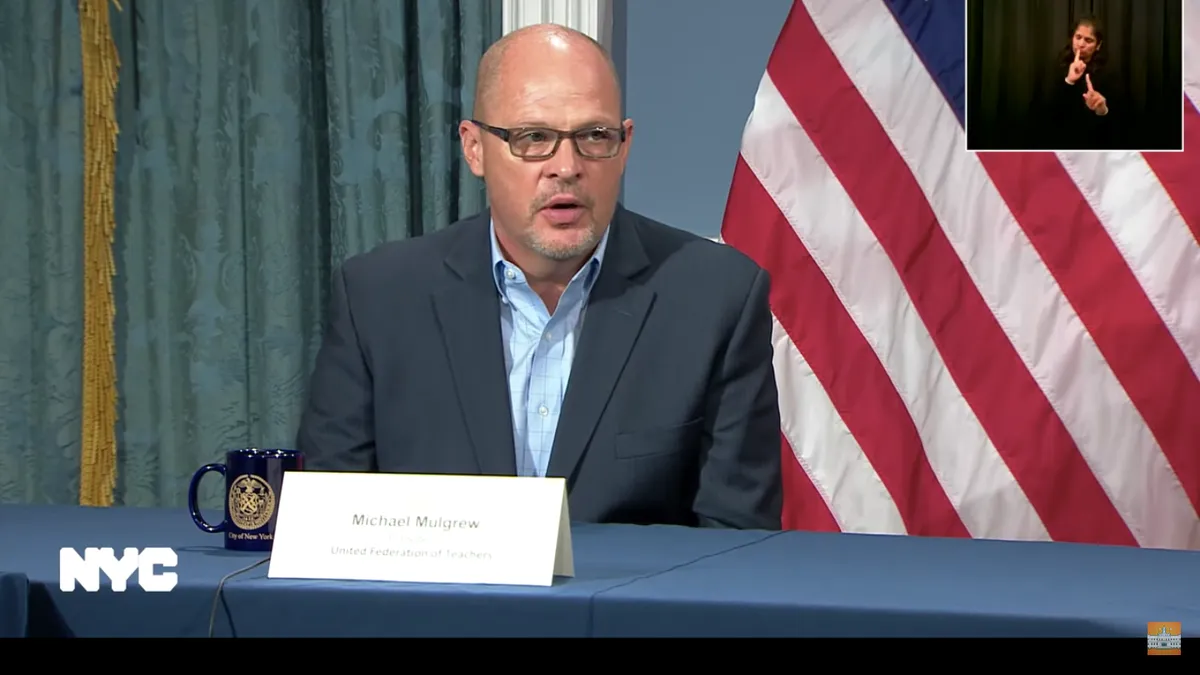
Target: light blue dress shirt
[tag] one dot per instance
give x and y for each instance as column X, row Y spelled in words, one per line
column 538, row 352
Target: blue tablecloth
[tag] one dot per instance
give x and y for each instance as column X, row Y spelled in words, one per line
column 818, row 584
column 631, row 581
column 605, row 558
column 14, row 603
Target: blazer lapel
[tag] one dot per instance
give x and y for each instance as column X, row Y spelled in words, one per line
column 616, row 311
column 468, row 312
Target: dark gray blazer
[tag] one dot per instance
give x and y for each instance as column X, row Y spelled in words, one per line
column 671, row 412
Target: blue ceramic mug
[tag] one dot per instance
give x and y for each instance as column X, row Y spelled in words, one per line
column 253, row 482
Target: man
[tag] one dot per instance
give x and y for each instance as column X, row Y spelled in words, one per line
column 452, row 352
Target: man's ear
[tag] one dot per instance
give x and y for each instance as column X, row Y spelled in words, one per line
column 627, row 125
column 472, row 146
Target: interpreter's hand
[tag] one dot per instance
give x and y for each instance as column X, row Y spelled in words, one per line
column 1095, row 100
column 1075, row 70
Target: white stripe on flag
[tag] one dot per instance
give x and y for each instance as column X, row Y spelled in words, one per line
column 1149, row 232
column 825, row 449
column 1191, row 52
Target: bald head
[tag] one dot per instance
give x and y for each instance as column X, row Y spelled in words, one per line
column 541, row 44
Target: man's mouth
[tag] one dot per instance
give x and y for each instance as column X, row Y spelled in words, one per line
column 563, row 210
column 563, row 203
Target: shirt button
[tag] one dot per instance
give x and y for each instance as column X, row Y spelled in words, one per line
column 510, row 274
column 549, row 335
column 543, row 411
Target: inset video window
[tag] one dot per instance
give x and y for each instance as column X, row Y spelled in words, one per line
column 1063, row 75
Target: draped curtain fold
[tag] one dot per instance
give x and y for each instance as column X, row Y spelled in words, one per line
column 261, row 142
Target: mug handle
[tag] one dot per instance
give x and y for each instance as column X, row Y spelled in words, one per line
column 194, row 508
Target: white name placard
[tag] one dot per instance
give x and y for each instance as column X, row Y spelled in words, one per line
column 422, row 528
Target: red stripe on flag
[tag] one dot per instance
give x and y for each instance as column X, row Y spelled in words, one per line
column 1109, row 300
column 1015, row 413
column 803, row 506
column 1179, row 172
column 809, row 309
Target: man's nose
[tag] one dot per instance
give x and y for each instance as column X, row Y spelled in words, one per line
column 566, row 162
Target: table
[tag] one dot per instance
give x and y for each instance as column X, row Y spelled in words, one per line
column 14, row 601
column 630, row 581
column 605, row 558
column 831, row 585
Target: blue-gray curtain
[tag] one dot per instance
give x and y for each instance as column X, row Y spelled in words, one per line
column 262, row 142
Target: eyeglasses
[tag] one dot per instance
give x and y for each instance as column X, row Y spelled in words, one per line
column 540, row 143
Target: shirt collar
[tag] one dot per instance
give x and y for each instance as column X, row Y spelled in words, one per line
column 589, row 272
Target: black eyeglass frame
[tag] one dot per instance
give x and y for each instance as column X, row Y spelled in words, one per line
column 506, row 135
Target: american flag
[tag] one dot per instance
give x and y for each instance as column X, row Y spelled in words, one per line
column 992, row 345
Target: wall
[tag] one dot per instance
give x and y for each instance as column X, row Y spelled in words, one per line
column 691, row 68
